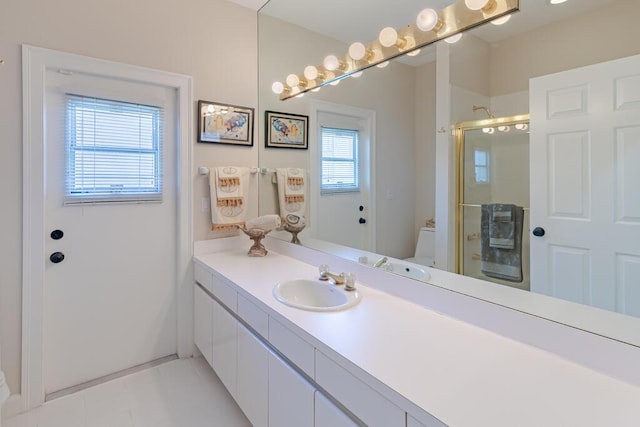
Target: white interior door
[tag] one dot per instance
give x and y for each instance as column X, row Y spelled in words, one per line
column 585, row 151
column 110, row 304
column 345, row 217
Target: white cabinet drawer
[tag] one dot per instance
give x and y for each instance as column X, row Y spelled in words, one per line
column 292, row 346
column 253, row 378
column 225, row 347
column 255, row 317
column 329, row 415
column 203, row 323
column 364, row 402
column 224, row 292
column 291, row 397
column 203, row 276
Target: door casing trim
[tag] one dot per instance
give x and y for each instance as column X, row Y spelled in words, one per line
column 369, row 119
column 35, row 62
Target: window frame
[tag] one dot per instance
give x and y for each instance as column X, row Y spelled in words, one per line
column 93, row 195
column 327, row 189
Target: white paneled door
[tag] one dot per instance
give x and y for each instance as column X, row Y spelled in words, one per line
column 110, row 268
column 585, row 176
column 345, row 216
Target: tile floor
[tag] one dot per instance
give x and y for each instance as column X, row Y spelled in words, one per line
column 180, row 393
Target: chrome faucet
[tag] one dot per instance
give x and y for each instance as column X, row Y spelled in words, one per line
column 325, row 274
column 380, row 262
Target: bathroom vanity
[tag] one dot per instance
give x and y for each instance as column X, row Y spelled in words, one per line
column 386, row 361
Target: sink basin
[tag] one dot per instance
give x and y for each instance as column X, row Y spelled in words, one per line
column 409, row 271
column 315, row 295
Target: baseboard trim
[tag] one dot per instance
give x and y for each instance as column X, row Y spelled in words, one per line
column 73, row 389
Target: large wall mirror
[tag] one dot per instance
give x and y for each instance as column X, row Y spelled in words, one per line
column 396, row 113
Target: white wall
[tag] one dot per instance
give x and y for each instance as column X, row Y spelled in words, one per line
column 212, row 40
column 425, row 146
column 601, row 35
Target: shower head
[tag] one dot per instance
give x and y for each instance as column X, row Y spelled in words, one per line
column 476, row 108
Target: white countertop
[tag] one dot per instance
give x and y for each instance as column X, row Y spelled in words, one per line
column 459, row 373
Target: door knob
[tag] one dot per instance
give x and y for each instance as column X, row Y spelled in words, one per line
column 538, row 231
column 56, row 257
column 57, row 234
column 362, row 221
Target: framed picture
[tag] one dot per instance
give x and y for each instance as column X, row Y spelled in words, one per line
column 225, row 124
column 286, row 130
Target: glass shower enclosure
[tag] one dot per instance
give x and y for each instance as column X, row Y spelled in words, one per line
column 493, row 173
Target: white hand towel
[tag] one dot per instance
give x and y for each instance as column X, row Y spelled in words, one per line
column 228, row 182
column 295, row 182
column 228, row 187
column 292, row 198
column 264, row 222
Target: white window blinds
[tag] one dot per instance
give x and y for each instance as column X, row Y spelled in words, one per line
column 114, row 151
column 339, row 163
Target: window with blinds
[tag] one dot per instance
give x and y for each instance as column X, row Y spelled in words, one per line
column 114, row 151
column 339, row 162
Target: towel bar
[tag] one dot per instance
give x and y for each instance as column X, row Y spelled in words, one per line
column 203, row 170
column 471, row 205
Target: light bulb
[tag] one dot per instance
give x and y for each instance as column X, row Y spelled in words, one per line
column 335, row 83
column 293, row 80
column 277, row 88
column 211, row 108
column 427, row 19
column 504, row 128
column 310, row 72
column 488, row 131
column 331, row 62
column 501, row 21
column 454, row 38
column 413, row 52
column 300, row 95
column 316, row 89
column 356, row 75
column 476, row 4
column 554, row 2
column 383, row 64
column 388, row 37
column 357, row 51
column 521, row 126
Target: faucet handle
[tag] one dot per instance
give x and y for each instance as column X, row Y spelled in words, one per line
column 349, row 281
column 323, row 269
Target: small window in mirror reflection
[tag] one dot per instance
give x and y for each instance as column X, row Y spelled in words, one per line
column 481, row 161
column 339, row 163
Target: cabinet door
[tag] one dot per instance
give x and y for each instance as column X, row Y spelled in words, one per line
column 203, row 323
column 367, row 404
column 253, row 378
column 412, row 422
column 329, row 415
column 291, row 397
column 225, row 350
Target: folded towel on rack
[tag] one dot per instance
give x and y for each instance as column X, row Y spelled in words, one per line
column 228, row 187
column 501, row 241
column 228, row 182
column 292, row 191
column 502, row 226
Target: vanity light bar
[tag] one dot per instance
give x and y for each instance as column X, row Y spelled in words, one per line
column 452, row 20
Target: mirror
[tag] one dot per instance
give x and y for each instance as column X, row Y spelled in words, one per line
column 490, row 66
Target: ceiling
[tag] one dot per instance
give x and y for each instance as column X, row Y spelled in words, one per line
column 360, row 20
